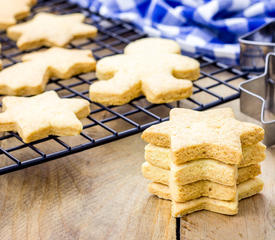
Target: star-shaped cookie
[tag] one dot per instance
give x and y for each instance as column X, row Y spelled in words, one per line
column 211, row 134
column 47, row 29
column 31, row 76
column 245, row 189
column 13, row 10
column 160, row 156
column 205, row 169
column 181, row 191
column 150, row 66
column 42, row 115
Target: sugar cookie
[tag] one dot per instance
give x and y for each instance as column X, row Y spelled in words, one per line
column 196, row 188
column 47, row 29
column 160, row 156
column 42, row 115
column 31, row 76
column 203, row 160
column 150, row 66
column 219, row 136
column 13, row 10
column 245, row 189
column 188, row 174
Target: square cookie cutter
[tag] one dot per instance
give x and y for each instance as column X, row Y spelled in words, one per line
column 254, row 47
column 257, row 99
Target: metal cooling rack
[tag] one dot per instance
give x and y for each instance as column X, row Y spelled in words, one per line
column 106, row 124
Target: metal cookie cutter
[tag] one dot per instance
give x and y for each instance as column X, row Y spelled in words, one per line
column 258, row 99
column 254, row 47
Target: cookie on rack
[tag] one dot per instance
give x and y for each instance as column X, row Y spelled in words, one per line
column 30, row 76
column 47, row 29
column 149, row 66
column 13, row 10
column 43, row 115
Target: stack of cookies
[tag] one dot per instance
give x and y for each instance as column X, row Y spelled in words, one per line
column 203, row 160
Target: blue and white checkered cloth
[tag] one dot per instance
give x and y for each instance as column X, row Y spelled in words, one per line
column 208, row 27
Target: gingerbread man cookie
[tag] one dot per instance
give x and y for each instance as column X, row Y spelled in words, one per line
column 31, row 76
column 150, row 66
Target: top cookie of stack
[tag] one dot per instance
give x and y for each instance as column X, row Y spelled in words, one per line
column 206, row 158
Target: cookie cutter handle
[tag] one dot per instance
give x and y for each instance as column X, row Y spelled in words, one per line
column 254, row 47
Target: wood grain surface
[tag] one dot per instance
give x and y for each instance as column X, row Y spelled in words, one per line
column 101, row 194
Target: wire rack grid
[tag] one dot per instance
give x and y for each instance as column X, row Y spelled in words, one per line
column 107, row 123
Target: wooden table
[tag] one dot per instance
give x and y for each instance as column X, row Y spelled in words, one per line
column 101, row 194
